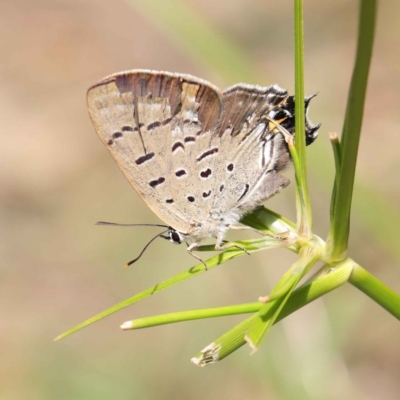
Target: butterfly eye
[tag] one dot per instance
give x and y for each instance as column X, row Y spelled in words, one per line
column 175, row 237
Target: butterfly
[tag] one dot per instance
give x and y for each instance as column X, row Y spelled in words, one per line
column 199, row 158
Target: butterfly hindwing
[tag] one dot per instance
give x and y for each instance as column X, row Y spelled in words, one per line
column 251, row 149
column 242, row 101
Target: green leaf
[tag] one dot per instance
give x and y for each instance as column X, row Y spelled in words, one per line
column 171, row 318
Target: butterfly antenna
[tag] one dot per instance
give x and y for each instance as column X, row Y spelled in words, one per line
column 145, row 247
column 116, row 224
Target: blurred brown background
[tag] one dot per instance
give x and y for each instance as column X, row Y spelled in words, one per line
column 57, row 179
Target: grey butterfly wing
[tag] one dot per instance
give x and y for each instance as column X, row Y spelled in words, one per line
column 253, row 152
column 241, row 101
column 144, row 117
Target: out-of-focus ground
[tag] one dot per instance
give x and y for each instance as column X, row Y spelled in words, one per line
column 57, row 179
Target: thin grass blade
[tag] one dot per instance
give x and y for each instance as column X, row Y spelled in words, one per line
column 340, row 221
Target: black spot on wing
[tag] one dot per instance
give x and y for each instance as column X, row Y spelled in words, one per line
column 180, row 172
column 207, row 154
column 117, row 135
column 176, row 146
column 206, row 173
column 189, row 139
column 246, row 189
column 136, row 128
column 144, row 158
column 127, row 129
column 153, row 125
column 157, row 182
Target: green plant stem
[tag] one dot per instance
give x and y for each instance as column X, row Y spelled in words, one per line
column 376, row 290
column 339, row 233
column 304, row 215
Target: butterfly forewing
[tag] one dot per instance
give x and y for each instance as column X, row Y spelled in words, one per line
column 150, row 123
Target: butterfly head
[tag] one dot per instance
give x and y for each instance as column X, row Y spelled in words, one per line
column 174, row 236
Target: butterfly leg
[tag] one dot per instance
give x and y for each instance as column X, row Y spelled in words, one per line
column 220, row 246
column 190, row 251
